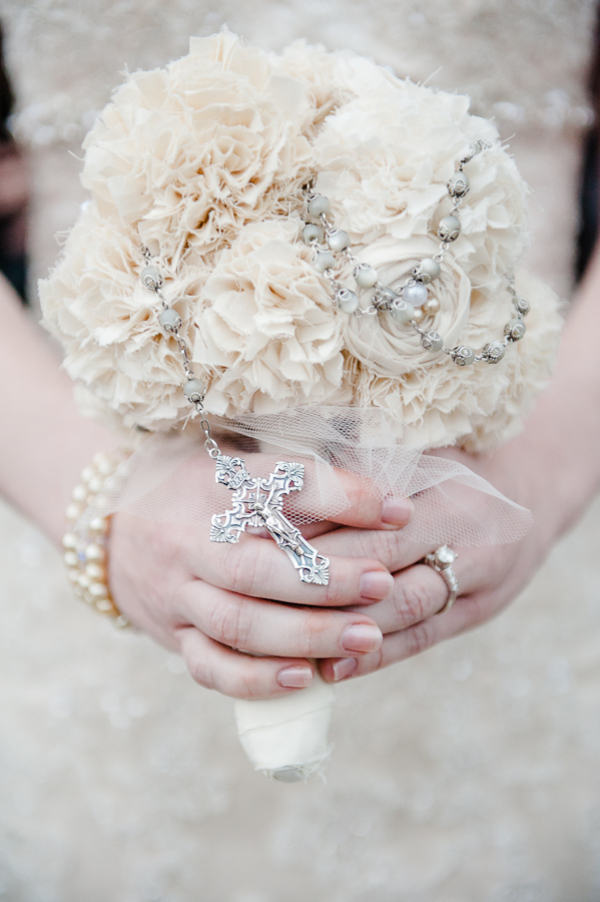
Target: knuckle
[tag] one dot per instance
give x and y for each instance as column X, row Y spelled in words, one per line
column 200, row 671
column 383, row 545
column 412, row 601
column 242, row 570
column 229, row 623
column 361, row 496
column 333, row 593
column 310, row 635
column 419, row 639
column 248, row 685
column 371, row 663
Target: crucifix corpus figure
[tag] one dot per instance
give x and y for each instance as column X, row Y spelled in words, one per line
column 259, row 502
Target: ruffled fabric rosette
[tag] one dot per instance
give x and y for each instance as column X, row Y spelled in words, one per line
column 203, row 163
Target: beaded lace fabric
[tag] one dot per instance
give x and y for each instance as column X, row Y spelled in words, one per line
column 468, row 774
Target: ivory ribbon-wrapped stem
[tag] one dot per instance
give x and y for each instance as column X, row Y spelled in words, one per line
column 286, row 738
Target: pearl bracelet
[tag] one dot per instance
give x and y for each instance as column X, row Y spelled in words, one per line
column 85, row 545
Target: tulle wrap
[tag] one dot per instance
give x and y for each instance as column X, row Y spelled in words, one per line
column 453, row 504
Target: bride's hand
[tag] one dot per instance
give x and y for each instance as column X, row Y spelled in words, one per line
column 412, row 618
column 239, row 614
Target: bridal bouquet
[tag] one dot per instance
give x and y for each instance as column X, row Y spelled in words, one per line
column 325, row 257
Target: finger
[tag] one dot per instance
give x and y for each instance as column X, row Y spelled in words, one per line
column 318, row 528
column 239, row 675
column 309, row 531
column 419, row 592
column 257, row 567
column 365, row 509
column 392, row 548
column 268, row 628
column 407, row 643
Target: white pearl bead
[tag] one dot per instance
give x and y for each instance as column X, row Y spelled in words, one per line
column 97, row 590
column 415, row 294
column 151, row 278
column 515, row 329
column 95, row 571
column 95, row 484
column 99, row 525
column 432, row 306
column 74, row 511
column 495, row 352
column 324, row 260
column 449, row 228
column 318, row 204
column 71, row 558
column 83, row 581
column 104, row 605
column 69, row 541
column 103, row 463
column 432, row 341
column 312, row 233
column 347, row 300
column 402, row 311
column 464, row 356
column 418, row 315
column 79, row 493
column 429, row 269
column 194, row 390
column 365, row 275
column 87, row 473
column 94, row 552
column 169, row 320
column 338, row 240
column 73, row 576
column 459, row 185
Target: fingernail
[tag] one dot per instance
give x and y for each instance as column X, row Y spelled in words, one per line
column 295, row 677
column 344, row 668
column 397, row 511
column 376, row 585
column 361, row 637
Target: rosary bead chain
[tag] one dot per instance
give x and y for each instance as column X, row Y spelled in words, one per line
column 411, row 303
column 194, row 388
column 257, row 501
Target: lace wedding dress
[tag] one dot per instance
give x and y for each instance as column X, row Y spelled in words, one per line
column 469, row 774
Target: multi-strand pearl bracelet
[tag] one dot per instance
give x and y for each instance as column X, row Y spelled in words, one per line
column 85, row 546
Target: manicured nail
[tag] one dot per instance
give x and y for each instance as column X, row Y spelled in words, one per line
column 397, row 511
column 344, row 668
column 376, row 585
column 361, row 637
column 295, row 677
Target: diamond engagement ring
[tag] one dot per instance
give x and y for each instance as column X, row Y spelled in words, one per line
column 441, row 561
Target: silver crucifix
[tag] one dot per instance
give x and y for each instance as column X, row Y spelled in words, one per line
column 259, row 502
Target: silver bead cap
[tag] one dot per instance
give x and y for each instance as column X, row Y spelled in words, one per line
column 151, row 278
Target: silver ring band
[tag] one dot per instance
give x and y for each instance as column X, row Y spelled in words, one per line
column 441, row 561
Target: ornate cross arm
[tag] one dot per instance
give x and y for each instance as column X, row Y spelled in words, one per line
column 259, row 502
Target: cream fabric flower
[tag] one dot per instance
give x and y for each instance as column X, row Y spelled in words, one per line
column 204, row 162
column 266, row 330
